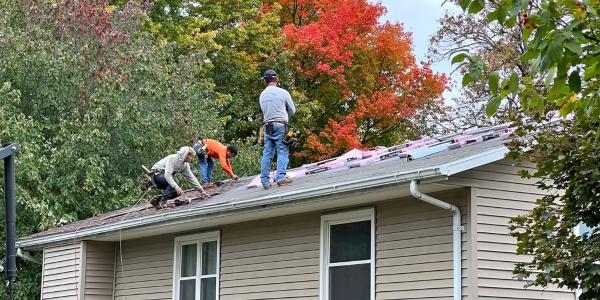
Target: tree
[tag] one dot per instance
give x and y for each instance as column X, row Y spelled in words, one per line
column 500, row 47
column 241, row 38
column 320, row 48
column 563, row 47
column 356, row 81
column 90, row 98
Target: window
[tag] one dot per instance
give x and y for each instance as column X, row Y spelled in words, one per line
column 348, row 256
column 196, row 271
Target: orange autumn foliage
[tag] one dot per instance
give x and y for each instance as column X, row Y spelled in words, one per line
column 360, row 77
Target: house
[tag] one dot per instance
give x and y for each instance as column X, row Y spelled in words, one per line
column 423, row 220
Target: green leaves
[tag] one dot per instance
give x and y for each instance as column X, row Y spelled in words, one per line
column 493, row 80
column 514, row 82
column 493, row 105
column 476, row 6
column 559, row 70
column 575, row 81
column 554, row 52
column 464, row 4
column 466, row 79
column 552, row 55
column 86, row 131
column 458, row 58
column 476, row 68
column 573, row 46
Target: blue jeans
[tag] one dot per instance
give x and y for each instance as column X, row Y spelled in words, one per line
column 274, row 142
column 205, row 168
column 168, row 191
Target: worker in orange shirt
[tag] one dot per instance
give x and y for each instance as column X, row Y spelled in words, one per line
column 206, row 150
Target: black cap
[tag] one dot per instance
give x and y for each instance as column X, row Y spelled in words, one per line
column 269, row 73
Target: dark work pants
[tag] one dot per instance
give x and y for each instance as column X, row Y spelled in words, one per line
column 168, row 191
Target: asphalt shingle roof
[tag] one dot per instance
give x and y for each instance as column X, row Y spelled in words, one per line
column 434, row 152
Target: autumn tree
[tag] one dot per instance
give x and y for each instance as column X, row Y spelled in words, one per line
column 356, row 81
column 563, row 50
column 90, row 100
column 241, row 38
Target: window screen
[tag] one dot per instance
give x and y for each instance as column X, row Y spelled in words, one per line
column 350, row 282
column 350, row 242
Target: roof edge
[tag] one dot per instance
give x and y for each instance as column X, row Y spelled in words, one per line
column 473, row 161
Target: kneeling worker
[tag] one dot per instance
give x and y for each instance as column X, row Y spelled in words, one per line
column 207, row 149
column 164, row 170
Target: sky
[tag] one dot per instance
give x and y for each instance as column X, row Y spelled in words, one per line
column 420, row 17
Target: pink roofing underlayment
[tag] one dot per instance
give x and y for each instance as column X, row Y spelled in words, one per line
column 409, row 151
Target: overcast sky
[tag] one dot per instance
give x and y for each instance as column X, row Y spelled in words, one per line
column 419, row 17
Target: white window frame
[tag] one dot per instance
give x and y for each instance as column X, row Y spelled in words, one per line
column 343, row 218
column 196, row 239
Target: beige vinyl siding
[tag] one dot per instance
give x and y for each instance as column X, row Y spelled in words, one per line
column 61, row 272
column 145, row 269
column 499, row 193
column 414, row 248
column 279, row 258
column 99, row 270
column 271, row 259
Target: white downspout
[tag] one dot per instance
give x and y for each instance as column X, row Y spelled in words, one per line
column 456, row 234
column 24, row 255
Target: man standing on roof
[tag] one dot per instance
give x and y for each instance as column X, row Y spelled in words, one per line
column 206, row 150
column 277, row 106
column 164, row 170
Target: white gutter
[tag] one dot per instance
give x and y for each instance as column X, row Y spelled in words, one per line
column 456, row 234
column 476, row 160
column 24, row 255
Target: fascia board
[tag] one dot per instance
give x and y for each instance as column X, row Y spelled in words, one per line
column 474, row 161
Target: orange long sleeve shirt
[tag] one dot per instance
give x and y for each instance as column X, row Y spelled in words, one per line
column 218, row 151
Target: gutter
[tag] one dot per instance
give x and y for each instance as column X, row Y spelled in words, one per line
column 26, row 256
column 456, row 234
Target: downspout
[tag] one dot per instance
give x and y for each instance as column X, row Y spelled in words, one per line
column 26, row 256
column 456, row 234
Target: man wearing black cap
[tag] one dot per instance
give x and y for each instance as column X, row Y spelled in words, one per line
column 277, row 106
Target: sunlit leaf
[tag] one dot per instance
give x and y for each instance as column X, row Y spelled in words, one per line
column 493, row 105
column 493, row 80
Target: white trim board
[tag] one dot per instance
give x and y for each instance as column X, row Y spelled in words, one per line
column 343, row 218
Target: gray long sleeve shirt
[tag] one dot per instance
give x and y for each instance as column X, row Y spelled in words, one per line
column 175, row 163
column 276, row 104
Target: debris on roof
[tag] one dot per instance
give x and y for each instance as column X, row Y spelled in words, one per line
column 408, row 151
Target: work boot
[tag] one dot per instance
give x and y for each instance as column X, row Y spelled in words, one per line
column 284, row 181
column 209, row 185
column 155, row 200
column 163, row 204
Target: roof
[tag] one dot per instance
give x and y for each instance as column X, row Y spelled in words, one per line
column 428, row 157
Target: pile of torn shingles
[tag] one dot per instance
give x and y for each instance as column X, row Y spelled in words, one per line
column 408, row 151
